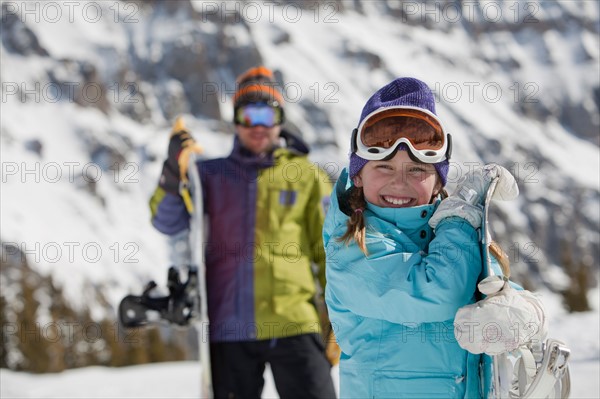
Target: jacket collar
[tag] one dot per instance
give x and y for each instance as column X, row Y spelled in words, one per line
column 404, row 218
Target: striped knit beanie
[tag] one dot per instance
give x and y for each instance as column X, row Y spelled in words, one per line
column 257, row 85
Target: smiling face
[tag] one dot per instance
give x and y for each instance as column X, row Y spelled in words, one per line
column 399, row 182
column 258, row 139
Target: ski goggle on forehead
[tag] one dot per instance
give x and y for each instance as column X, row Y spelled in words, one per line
column 380, row 133
column 258, row 115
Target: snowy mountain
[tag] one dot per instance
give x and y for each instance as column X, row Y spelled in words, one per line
column 90, row 89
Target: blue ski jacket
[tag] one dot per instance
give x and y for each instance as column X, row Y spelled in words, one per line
column 264, row 234
column 393, row 310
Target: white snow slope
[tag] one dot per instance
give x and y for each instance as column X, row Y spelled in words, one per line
column 87, row 224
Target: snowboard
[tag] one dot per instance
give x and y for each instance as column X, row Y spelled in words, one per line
column 197, row 250
column 186, row 304
column 537, row 371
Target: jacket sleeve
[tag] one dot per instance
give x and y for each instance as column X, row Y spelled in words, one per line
column 400, row 285
column 317, row 206
column 169, row 215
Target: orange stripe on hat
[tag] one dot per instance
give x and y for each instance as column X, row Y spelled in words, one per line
column 255, row 73
column 259, row 88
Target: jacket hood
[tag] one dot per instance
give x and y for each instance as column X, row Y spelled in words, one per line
column 294, row 143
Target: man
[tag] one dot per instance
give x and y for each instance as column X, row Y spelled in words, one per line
column 265, row 208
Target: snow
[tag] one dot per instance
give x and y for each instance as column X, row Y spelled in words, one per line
column 316, row 68
column 159, row 380
column 106, row 239
column 580, row 331
column 95, row 22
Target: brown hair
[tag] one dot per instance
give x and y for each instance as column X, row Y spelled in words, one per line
column 502, row 257
column 356, row 223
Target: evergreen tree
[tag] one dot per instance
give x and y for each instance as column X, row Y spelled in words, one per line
column 575, row 296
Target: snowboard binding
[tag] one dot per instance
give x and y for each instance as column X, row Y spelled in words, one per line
column 177, row 308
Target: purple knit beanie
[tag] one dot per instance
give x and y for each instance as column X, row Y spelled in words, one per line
column 400, row 92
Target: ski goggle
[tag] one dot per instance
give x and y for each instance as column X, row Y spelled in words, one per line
column 380, row 133
column 258, row 115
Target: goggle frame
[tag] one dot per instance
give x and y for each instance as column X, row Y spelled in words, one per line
column 427, row 155
column 240, row 116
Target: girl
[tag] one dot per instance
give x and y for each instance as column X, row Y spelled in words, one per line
column 400, row 262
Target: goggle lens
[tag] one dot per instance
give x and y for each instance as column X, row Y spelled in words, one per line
column 385, row 128
column 258, row 115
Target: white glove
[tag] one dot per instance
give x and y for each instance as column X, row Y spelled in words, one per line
column 467, row 200
column 501, row 322
column 506, row 188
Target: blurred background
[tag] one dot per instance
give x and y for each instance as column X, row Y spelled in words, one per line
column 91, row 89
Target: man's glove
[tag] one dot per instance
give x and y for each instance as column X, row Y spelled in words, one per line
column 467, row 200
column 332, row 349
column 181, row 145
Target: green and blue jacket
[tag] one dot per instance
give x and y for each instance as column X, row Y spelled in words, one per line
column 264, row 237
